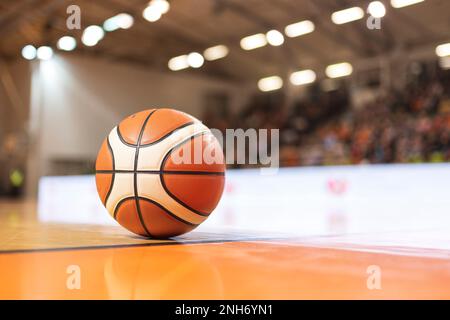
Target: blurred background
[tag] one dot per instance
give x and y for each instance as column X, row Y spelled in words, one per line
column 345, row 81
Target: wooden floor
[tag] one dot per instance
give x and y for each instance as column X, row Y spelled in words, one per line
column 41, row 261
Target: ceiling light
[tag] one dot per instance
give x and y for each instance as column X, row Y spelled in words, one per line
column 29, row 52
column 216, row 52
column 178, row 63
column 275, row 38
column 67, row 43
column 347, row 15
column 44, row 53
column 270, row 83
column 443, row 50
column 92, row 35
column 339, row 70
column 254, row 41
column 195, row 60
column 151, row 14
column 162, row 6
column 302, row 77
column 119, row 21
column 376, row 9
column 404, row 3
column 299, row 28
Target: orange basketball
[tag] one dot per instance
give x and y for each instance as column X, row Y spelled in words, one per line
column 160, row 173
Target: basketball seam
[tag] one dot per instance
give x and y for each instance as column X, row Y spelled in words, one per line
column 122, row 139
column 136, row 159
column 119, row 204
column 212, row 173
column 113, row 172
column 163, row 183
column 168, row 134
column 167, row 211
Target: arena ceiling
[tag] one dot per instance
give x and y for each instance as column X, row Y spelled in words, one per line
column 194, row 25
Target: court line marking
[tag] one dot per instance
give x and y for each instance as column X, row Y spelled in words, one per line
column 130, row 245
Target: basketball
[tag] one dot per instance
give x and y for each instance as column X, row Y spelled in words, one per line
column 150, row 177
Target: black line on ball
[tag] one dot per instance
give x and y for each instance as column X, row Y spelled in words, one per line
column 113, row 170
column 163, row 183
column 167, row 211
column 167, row 134
column 136, row 159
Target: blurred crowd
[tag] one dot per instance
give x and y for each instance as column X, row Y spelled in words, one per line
column 397, row 126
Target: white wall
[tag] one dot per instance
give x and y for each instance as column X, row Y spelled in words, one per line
column 76, row 101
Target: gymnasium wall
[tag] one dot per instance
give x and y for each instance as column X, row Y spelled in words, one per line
column 14, row 107
column 76, row 101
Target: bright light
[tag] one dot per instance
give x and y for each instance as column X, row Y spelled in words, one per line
column 161, row 6
column 303, row 77
column 339, row 70
column 178, row 63
column 443, row 50
column 92, row 35
column 347, row 15
column 444, row 62
column 299, row 28
column 254, row 41
column 110, row 24
column 124, row 20
column 195, row 60
column 404, row 3
column 151, row 14
column 270, row 83
column 44, row 53
column 29, row 52
column 155, row 9
column 216, row 52
column 120, row 21
column 67, row 43
column 275, row 38
column 376, row 9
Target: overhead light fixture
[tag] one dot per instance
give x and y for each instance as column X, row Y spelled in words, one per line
column 29, row 52
column 178, row 63
column 275, row 38
column 302, row 77
column 119, row 21
column 404, row 3
column 44, row 53
column 67, row 43
column 151, row 14
column 443, row 50
column 254, row 41
column 347, row 15
column 217, row 52
column 299, row 28
column 195, row 60
column 376, row 9
column 270, row 83
column 92, row 35
column 155, row 9
column 339, row 70
column 162, row 6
